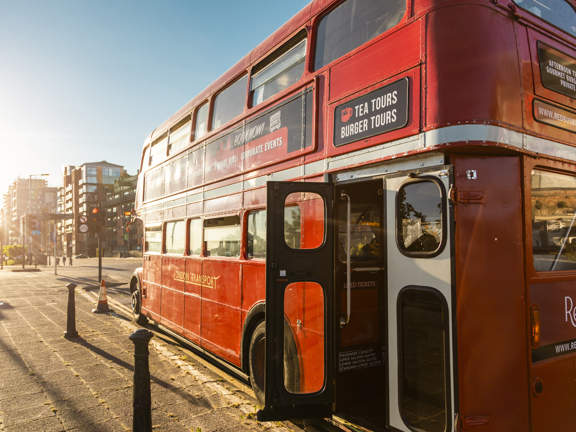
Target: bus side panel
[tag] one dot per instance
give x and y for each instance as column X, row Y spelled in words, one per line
column 172, row 301
column 490, row 293
column 152, row 288
column 487, row 71
column 221, row 314
column 192, row 300
column 253, row 285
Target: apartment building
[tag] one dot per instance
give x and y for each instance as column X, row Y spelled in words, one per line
column 84, row 187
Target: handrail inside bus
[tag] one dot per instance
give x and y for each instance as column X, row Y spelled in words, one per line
column 345, row 321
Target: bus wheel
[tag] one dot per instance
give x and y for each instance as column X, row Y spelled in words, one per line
column 257, row 361
column 136, row 314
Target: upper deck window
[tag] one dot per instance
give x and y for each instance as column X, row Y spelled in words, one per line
column 201, row 121
column 229, row 103
column 352, row 24
column 278, row 73
column 553, row 221
column 557, row 12
column 158, row 150
column 179, row 137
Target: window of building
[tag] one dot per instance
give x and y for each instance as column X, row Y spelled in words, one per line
column 557, row 12
column 229, row 103
column 222, row 236
column 553, row 221
column 256, row 243
column 423, row 333
column 352, row 24
column 179, row 136
column 279, row 72
column 419, row 218
column 201, row 121
column 153, row 238
column 195, row 237
column 175, row 233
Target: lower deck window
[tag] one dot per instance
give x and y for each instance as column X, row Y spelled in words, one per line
column 553, row 221
column 222, row 236
column 175, row 237
column 256, row 241
column 423, row 335
column 153, row 238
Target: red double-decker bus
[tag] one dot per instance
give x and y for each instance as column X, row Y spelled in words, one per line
column 371, row 216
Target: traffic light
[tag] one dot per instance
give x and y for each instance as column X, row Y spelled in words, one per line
column 34, row 227
column 95, row 218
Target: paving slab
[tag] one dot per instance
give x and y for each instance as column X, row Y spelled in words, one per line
column 50, row 383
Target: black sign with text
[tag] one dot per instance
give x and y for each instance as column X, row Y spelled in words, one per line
column 380, row 111
column 558, row 70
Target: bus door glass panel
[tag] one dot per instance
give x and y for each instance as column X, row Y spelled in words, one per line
column 553, row 221
column 419, row 302
column 299, row 275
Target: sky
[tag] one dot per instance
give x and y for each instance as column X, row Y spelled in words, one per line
column 85, row 81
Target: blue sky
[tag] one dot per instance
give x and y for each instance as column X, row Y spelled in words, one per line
column 85, row 81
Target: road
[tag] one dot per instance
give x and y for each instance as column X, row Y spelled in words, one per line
column 116, row 272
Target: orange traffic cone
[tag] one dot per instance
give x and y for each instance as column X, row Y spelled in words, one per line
column 102, row 300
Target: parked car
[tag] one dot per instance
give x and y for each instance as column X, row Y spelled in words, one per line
column 81, row 256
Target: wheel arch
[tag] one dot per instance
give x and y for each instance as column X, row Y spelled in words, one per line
column 254, row 317
column 135, row 280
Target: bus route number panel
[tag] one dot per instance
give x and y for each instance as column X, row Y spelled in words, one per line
column 377, row 112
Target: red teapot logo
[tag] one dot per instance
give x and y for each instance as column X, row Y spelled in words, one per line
column 346, row 114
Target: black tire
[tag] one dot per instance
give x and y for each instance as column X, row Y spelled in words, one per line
column 257, row 361
column 136, row 314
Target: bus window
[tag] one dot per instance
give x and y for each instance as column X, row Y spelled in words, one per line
column 422, row 358
column 273, row 76
column 229, row 103
column 153, row 238
column 201, row 121
column 419, row 216
column 304, row 221
column 553, row 221
column 557, row 12
column 195, row 237
column 179, row 137
column 352, row 24
column 175, row 233
column 175, row 176
column 364, row 233
column 158, row 150
column 153, row 184
column 222, row 236
column 256, row 245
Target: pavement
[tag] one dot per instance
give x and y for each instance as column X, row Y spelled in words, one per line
column 50, row 383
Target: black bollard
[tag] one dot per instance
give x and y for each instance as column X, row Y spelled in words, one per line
column 71, row 324
column 142, row 401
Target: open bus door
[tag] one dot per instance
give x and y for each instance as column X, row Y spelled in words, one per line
column 299, row 298
column 420, row 300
